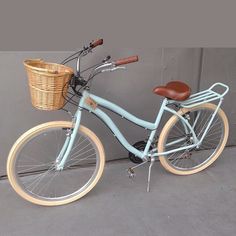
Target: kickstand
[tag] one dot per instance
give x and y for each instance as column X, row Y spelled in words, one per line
column 149, row 173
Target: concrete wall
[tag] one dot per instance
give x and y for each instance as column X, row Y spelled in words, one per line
column 131, row 89
column 220, row 65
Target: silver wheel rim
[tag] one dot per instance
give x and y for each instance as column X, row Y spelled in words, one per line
column 34, row 165
column 195, row 158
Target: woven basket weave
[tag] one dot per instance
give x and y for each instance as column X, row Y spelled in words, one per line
column 48, row 83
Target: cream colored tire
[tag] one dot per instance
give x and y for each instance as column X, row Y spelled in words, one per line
column 172, row 121
column 12, row 175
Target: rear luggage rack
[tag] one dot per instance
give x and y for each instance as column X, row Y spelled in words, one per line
column 205, row 96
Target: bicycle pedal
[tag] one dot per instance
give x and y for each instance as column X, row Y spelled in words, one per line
column 131, row 173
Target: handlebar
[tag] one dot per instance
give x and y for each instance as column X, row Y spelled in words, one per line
column 83, row 52
column 96, row 43
column 105, row 65
column 126, row 60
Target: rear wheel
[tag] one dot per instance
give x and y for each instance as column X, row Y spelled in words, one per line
column 193, row 160
column 31, row 165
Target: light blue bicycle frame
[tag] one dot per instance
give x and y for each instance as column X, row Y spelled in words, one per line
column 194, row 100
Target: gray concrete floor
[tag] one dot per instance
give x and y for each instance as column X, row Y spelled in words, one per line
column 200, row 204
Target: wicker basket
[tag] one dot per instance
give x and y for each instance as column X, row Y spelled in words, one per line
column 48, row 83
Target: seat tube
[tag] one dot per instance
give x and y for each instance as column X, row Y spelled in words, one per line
column 157, row 122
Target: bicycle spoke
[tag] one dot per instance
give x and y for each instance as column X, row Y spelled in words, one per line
column 78, row 152
column 37, row 172
column 33, row 167
column 194, row 157
column 78, row 161
column 38, row 179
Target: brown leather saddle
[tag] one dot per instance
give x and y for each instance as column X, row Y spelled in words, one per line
column 175, row 90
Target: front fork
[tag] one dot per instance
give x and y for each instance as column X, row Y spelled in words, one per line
column 71, row 135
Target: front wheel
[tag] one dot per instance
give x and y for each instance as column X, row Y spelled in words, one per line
column 174, row 135
column 31, row 165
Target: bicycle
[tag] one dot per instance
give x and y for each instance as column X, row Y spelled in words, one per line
column 67, row 169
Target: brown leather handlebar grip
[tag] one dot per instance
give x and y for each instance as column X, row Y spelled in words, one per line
column 126, row 60
column 96, row 43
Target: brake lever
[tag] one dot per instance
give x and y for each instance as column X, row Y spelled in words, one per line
column 86, row 50
column 106, row 59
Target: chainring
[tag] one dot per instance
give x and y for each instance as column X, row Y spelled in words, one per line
column 140, row 145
